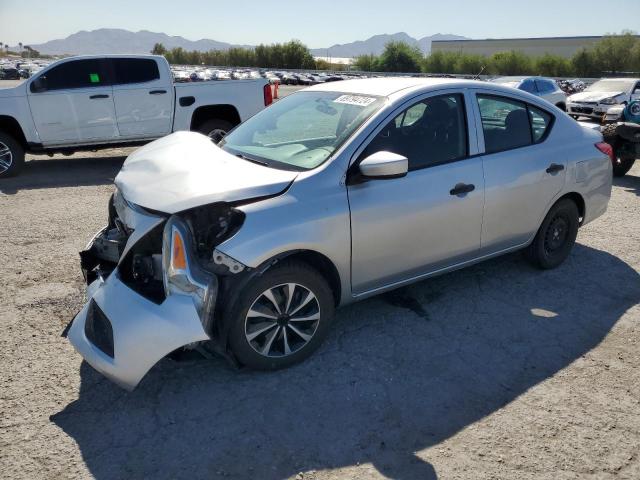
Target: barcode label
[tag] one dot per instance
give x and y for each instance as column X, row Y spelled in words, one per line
column 355, row 100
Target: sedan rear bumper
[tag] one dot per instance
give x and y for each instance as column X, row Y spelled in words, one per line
column 142, row 332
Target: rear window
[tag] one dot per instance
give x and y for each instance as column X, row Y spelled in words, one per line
column 135, row 70
column 509, row 123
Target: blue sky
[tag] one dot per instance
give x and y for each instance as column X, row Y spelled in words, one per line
column 318, row 23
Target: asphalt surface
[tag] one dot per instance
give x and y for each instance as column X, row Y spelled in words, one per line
column 497, row 371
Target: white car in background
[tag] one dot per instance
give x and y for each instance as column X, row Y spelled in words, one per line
column 546, row 88
column 599, row 97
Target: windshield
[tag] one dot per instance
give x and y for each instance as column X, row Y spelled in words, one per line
column 611, row 86
column 302, row 130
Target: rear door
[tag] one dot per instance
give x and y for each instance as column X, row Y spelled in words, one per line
column 143, row 98
column 522, row 170
column 76, row 106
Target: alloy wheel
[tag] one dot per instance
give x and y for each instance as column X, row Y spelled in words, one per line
column 282, row 320
column 6, row 157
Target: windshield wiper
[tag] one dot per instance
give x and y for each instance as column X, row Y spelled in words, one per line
column 252, row 160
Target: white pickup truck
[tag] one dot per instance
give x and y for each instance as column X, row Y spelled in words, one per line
column 93, row 102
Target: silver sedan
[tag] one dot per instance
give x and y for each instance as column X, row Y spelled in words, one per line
column 331, row 195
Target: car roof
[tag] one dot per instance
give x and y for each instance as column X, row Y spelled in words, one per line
column 387, row 86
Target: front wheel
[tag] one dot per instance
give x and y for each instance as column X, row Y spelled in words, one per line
column 556, row 236
column 215, row 129
column 281, row 317
column 11, row 156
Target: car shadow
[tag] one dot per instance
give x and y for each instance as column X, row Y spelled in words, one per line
column 63, row 172
column 398, row 373
column 631, row 183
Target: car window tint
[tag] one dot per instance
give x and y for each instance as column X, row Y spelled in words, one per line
column 528, row 86
column 77, row 74
column 505, row 123
column 430, row 132
column 135, row 70
column 540, row 121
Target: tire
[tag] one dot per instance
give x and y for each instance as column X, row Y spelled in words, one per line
column 283, row 334
column 11, row 156
column 215, row 129
column 561, row 106
column 622, row 166
column 556, row 236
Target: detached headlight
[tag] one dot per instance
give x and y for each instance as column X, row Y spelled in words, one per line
column 181, row 273
column 609, row 101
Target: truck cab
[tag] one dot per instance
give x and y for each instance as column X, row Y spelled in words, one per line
column 102, row 101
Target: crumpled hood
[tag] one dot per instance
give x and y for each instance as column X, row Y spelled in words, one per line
column 592, row 96
column 185, row 170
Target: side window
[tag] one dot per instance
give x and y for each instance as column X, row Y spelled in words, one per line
column 135, row 70
column 430, row 132
column 505, row 123
column 77, row 74
column 528, row 85
column 540, row 122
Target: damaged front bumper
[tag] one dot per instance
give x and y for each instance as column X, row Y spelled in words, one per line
column 142, row 332
column 142, row 303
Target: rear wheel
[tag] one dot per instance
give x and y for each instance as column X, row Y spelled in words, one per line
column 622, row 165
column 556, row 236
column 215, row 129
column 11, row 156
column 281, row 317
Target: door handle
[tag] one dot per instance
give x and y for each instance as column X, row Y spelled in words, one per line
column 157, row 92
column 94, row 97
column 554, row 167
column 462, row 188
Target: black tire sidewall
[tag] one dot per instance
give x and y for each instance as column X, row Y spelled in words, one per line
column 284, row 273
column 214, row 124
column 537, row 253
column 621, row 169
column 17, row 153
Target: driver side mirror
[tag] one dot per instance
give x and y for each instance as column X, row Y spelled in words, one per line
column 39, row 84
column 384, row 165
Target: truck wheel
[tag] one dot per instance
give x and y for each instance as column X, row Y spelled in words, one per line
column 215, row 129
column 11, row 156
column 556, row 236
column 280, row 317
column 622, row 166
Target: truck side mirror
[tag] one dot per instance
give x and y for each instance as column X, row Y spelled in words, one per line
column 39, row 84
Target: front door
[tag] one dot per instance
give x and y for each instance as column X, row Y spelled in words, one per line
column 404, row 227
column 75, row 105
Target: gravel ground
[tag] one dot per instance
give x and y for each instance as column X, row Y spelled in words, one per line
column 496, row 371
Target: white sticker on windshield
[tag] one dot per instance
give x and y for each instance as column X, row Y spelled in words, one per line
column 359, row 100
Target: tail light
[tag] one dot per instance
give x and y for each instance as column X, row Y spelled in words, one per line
column 606, row 149
column 268, row 95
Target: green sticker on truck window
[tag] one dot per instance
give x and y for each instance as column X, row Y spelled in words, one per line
column 94, row 78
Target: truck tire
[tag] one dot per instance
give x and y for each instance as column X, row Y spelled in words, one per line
column 215, row 129
column 621, row 165
column 11, row 156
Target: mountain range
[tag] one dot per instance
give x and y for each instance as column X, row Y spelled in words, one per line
column 115, row 40
column 375, row 44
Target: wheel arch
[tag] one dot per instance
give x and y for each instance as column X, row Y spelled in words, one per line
column 577, row 199
column 210, row 112
column 12, row 127
column 316, row 260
